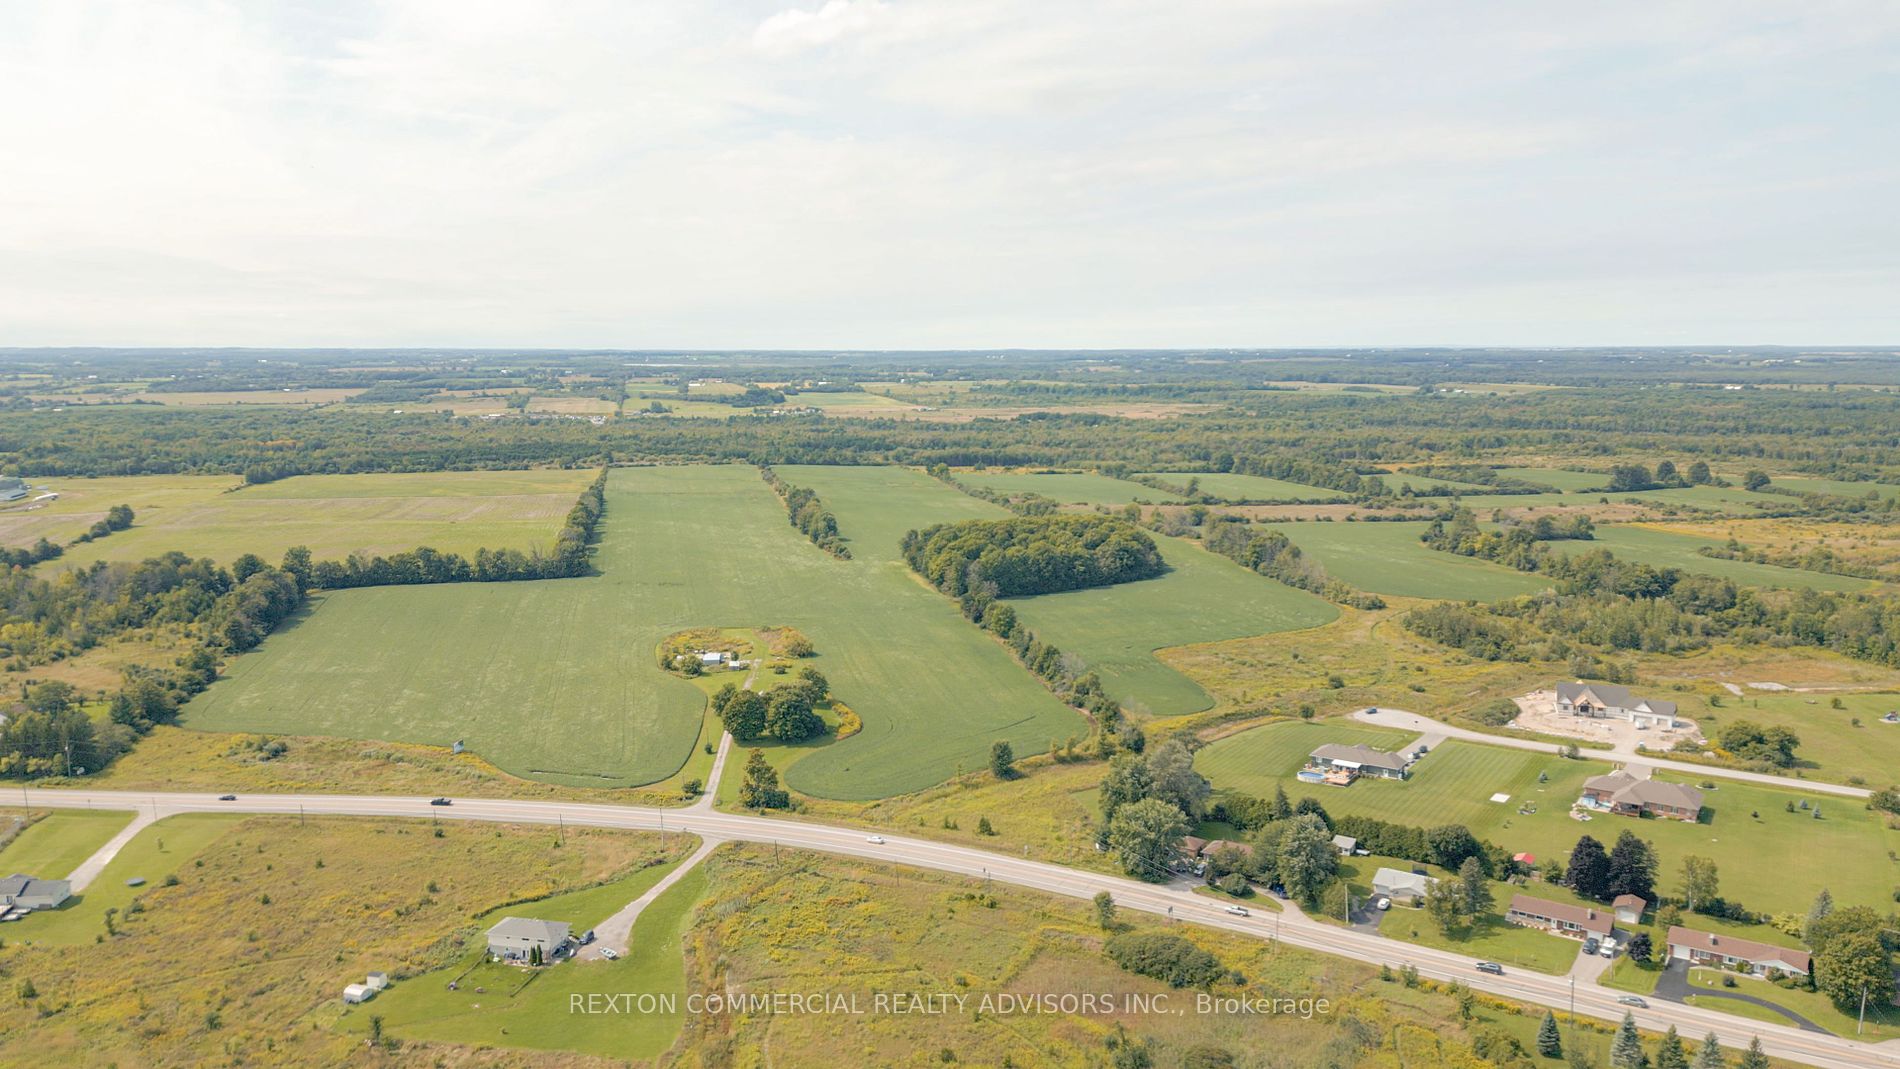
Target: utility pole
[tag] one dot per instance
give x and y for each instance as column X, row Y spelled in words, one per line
column 300, row 822
column 1862, row 1023
column 562, row 820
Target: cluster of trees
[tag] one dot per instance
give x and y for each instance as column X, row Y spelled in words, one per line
column 1445, row 845
column 48, row 733
column 1750, row 741
column 1607, row 603
column 1066, row 675
column 117, row 518
column 1168, row 958
column 760, row 789
column 1149, row 802
column 1853, row 949
column 1519, row 546
column 1629, row 478
column 1458, row 905
column 809, row 515
column 1273, row 554
column 28, row 556
column 1029, row 555
column 1628, row 868
column 787, row 712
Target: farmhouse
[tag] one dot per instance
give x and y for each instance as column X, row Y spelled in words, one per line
column 1741, row 955
column 1339, row 764
column 12, row 488
column 1559, row 917
column 1609, row 700
column 1401, row 886
column 1630, row 796
column 20, row 895
column 517, row 938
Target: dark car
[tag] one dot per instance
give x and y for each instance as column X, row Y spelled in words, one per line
column 1491, row 967
column 1590, row 946
column 439, row 801
column 227, row 797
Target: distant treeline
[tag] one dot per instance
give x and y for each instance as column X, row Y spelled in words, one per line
column 809, row 515
column 1273, row 554
column 1318, row 438
column 1030, row 555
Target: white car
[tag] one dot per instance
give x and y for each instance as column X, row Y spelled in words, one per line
column 609, row 953
column 1383, row 903
column 1238, row 911
column 876, row 840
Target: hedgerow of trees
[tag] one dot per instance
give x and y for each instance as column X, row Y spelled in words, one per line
column 1029, row 555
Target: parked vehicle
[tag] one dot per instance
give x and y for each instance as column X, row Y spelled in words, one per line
column 1591, row 945
column 1383, row 903
column 1609, row 948
column 1491, row 967
column 608, row 953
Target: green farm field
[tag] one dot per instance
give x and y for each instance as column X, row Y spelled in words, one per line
column 55, row 844
column 1388, row 558
column 1668, row 549
column 1074, row 488
column 335, row 515
column 1399, row 480
column 1846, row 851
column 1202, row 598
column 1836, row 487
column 556, row 679
column 1235, row 487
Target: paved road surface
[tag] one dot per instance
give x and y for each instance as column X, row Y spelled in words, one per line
column 1291, row 927
column 615, row 930
column 1408, row 721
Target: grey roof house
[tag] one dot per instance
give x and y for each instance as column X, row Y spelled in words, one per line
column 1401, row 886
column 22, row 894
column 1359, row 759
column 517, row 938
column 1619, row 792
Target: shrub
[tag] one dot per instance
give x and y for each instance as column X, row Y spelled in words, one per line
column 1168, row 958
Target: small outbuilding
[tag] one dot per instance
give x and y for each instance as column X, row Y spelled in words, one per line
column 1629, row 908
column 1345, row 844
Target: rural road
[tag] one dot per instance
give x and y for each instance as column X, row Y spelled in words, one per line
column 1408, row 721
column 1826, row 1052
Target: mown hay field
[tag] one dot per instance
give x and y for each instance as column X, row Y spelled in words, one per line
column 558, row 679
column 1388, row 558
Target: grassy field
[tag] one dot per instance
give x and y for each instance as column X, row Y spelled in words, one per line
column 1203, row 598
column 55, row 844
column 1399, row 480
column 1388, row 558
column 1078, row 488
column 1846, row 851
column 278, row 916
column 1836, row 487
column 1490, row 937
column 1833, row 746
column 153, row 854
column 1236, row 487
column 1667, row 549
column 335, row 515
column 1882, row 1022
column 557, row 680
column 504, row 1006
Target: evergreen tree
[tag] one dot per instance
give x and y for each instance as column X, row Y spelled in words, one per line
column 1823, row 905
column 1632, row 868
column 1588, row 872
column 1754, row 1057
column 1670, row 1054
column 1709, row 1054
column 1002, row 760
column 1626, row 1050
column 1282, row 808
column 1550, row 1042
column 1477, row 889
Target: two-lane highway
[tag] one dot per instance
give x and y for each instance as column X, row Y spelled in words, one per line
column 1290, row 927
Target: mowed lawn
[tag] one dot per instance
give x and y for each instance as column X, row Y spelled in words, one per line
column 1072, row 488
column 1388, row 558
column 1202, row 598
column 1846, row 851
column 557, row 679
column 1236, row 487
column 54, row 845
column 335, row 515
column 1669, row 549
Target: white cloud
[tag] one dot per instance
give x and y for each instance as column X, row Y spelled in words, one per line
column 945, row 172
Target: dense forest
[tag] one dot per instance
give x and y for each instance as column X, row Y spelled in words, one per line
column 1031, row 555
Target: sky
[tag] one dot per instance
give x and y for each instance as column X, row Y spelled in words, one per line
column 949, row 173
